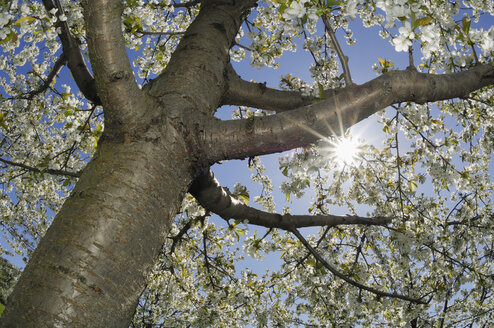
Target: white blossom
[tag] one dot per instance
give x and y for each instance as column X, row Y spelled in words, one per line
column 403, row 41
column 297, row 9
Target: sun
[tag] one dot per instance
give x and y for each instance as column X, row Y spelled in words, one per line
column 345, row 150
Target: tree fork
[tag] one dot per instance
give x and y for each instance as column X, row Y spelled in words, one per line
column 109, row 232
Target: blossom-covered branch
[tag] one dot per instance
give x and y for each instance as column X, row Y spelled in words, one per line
column 211, row 195
column 300, row 127
column 352, row 282
column 46, row 83
column 77, row 64
column 37, row 170
column 343, row 59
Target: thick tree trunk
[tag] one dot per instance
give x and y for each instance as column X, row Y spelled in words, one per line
column 91, row 267
column 98, row 253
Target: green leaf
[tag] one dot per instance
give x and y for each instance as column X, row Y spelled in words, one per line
column 330, row 3
column 284, row 171
column 46, row 160
column 282, row 9
column 466, row 25
column 11, row 36
column 242, row 194
column 27, row 20
column 66, row 95
column 403, row 19
column 422, row 21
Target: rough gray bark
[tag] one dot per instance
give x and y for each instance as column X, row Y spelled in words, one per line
column 209, row 193
column 92, row 265
column 339, row 110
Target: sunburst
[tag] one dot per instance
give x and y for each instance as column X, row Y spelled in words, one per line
column 345, row 150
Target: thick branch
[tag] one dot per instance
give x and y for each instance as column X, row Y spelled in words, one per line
column 122, row 99
column 209, row 193
column 77, row 64
column 340, row 275
column 244, row 93
column 303, row 126
column 35, row 169
column 201, row 57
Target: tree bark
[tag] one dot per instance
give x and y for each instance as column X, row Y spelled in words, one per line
column 91, row 267
column 341, row 109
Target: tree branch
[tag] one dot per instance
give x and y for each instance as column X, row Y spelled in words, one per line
column 209, row 193
column 46, row 83
column 341, row 55
column 300, row 127
column 35, row 169
column 122, row 98
column 159, row 33
column 217, row 22
column 77, row 64
column 243, row 93
column 340, row 275
column 186, row 4
column 242, row 46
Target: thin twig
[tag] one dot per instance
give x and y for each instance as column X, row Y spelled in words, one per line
column 46, row 83
column 242, row 46
column 341, row 55
column 49, row 171
column 340, row 275
column 179, row 235
column 410, row 58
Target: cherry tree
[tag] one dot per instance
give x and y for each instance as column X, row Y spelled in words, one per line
column 122, row 154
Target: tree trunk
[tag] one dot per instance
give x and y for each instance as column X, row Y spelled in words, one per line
column 100, row 249
column 91, row 267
